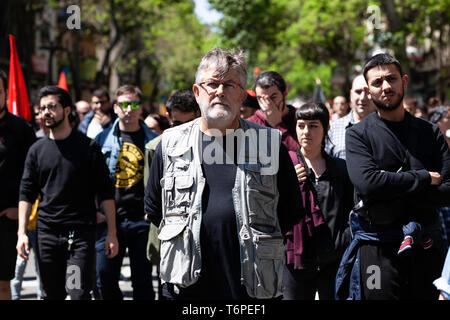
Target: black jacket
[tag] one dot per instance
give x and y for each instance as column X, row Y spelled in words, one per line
column 334, row 193
column 389, row 165
column 16, row 137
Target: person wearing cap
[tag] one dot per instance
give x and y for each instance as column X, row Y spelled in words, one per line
column 68, row 171
column 250, row 105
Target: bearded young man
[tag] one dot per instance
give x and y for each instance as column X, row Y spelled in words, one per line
column 68, row 171
column 400, row 167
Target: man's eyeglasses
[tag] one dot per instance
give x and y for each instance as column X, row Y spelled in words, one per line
column 134, row 105
column 50, row 107
column 212, row 86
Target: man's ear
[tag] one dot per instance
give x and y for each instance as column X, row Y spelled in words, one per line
column 195, row 89
column 116, row 108
column 67, row 110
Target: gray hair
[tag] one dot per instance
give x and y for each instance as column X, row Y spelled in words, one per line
column 223, row 61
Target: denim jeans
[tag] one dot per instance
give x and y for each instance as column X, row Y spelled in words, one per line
column 443, row 283
column 133, row 235
column 21, row 264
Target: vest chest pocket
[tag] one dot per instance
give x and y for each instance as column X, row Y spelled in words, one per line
column 179, row 159
column 178, row 183
column 261, row 199
column 177, row 193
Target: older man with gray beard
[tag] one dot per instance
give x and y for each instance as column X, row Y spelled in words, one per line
column 221, row 222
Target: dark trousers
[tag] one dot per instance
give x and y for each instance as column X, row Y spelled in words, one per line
column 8, row 253
column 62, row 271
column 387, row 276
column 302, row 284
column 132, row 235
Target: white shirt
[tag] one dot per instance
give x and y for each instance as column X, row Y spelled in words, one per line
column 94, row 129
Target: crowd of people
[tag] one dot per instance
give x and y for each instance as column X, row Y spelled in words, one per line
column 232, row 194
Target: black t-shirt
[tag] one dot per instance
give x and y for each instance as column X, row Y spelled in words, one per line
column 16, row 137
column 129, row 175
column 221, row 268
column 68, row 174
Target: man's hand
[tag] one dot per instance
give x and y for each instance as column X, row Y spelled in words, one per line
column 435, row 178
column 100, row 217
column 111, row 246
column 101, row 117
column 22, row 242
column 301, row 173
column 271, row 111
column 10, row 213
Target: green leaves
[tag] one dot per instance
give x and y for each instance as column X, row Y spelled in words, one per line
column 160, row 42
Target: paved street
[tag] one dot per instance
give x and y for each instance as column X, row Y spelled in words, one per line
column 29, row 284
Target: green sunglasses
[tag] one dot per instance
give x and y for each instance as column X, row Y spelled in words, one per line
column 134, row 105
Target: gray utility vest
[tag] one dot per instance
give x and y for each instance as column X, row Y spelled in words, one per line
column 255, row 199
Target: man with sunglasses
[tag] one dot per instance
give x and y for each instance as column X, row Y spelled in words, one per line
column 123, row 149
column 16, row 136
column 68, row 171
column 100, row 117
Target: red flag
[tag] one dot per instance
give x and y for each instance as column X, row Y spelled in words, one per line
column 62, row 83
column 18, row 103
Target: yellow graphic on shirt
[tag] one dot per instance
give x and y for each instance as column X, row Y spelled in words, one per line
column 130, row 166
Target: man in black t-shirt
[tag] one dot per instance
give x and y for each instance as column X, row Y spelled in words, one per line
column 123, row 148
column 16, row 136
column 68, row 171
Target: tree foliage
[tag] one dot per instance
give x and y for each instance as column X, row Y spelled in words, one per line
column 306, row 39
column 160, row 42
column 303, row 40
